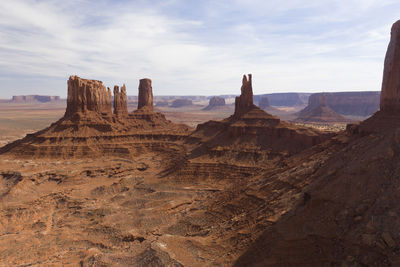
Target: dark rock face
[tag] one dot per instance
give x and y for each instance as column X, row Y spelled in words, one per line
column 87, row 95
column 181, row 103
column 215, row 102
column 264, row 103
column 120, row 101
column 145, row 94
column 244, row 102
column 390, row 96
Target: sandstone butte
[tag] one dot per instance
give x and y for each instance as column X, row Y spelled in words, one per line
column 90, row 128
column 215, row 102
column 319, row 112
column 250, row 190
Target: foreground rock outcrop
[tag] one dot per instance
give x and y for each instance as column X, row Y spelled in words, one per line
column 348, row 213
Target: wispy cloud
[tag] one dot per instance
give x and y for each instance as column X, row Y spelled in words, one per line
column 194, row 47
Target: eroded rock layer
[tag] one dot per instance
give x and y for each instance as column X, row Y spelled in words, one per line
column 120, row 101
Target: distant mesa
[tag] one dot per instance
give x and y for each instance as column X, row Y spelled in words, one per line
column 182, row 102
column 215, row 102
column 319, row 112
column 284, row 99
column 162, row 104
column 264, row 103
column 34, row 98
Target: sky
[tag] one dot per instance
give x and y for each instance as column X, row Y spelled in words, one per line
column 195, row 47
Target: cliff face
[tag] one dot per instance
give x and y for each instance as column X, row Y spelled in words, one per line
column 390, row 97
column 120, row 101
column 145, row 94
column 264, row 103
column 87, row 95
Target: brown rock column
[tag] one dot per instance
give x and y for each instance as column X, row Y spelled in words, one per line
column 120, row 101
column 87, row 95
column 390, row 95
column 145, row 94
column 244, row 102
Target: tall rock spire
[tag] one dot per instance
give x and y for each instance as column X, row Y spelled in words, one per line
column 145, row 94
column 244, row 102
column 120, row 101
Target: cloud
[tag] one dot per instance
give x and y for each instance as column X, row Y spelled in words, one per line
column 191, row 47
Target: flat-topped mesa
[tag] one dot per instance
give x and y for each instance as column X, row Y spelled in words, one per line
column 87, row 95
column 244, row 102
column 120, row 101
column 323, row 100
column 390, row 95
column 145, row 95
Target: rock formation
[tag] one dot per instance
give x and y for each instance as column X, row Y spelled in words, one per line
column 264, row 103
column 34, row 98
column 90, row 129
column 320, row 113
column 284, row 99
column 86, row 96
column 214, row 102
column 252, row 135
column 390, row 96
column 120, row 101
column 244, row 102
column 347, row 212
column 182, row 102
column 145, row 94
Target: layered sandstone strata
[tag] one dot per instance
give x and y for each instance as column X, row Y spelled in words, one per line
column 87, row 95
